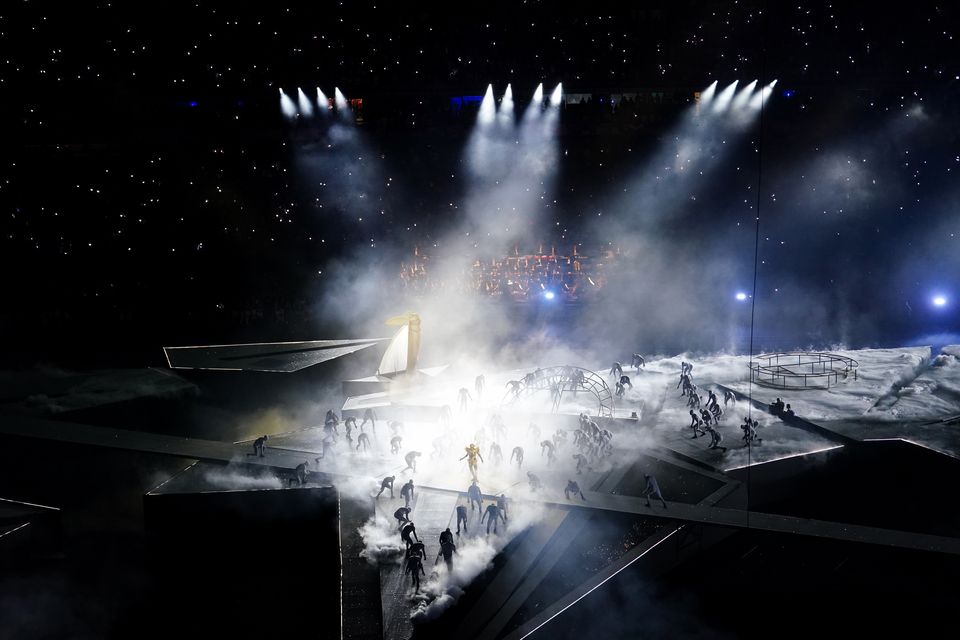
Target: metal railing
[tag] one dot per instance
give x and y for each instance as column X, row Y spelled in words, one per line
column 802, row 369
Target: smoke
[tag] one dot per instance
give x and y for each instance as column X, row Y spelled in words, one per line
column 234, row 478
column 443, row 589
column 381, row 540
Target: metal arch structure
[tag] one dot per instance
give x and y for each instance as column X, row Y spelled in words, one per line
column 560, row 380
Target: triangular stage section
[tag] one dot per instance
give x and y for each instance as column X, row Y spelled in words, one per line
column 278, row 357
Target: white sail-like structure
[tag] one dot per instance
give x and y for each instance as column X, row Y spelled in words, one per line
column 394, row 360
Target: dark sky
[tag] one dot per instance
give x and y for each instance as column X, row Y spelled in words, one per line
column 146, row 159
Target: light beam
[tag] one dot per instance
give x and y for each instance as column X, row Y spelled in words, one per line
column 304, row 103
column 287, row 106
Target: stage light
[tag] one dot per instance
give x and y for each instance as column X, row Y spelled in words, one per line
column 305, row 107
column 287, row 106
column 707, row 95
column 340, row 100
column 557, row 95
column 759, row 99
column 488, row 108
column 505, row 114
column 939, row 301
column 743, row 96
column 533, row 109
column 741, row 296
column 549, row 295
column 726, row 96
column 323, row 102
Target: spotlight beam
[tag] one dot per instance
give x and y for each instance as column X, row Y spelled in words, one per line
column 323, row 102
column 726, row 96
column 304, row 103
column 287, row 106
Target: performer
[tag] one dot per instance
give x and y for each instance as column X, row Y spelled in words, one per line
column 473, row 452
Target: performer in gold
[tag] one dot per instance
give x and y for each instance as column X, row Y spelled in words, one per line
column 473, row 452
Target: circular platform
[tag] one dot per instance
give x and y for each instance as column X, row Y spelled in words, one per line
column 802, row 369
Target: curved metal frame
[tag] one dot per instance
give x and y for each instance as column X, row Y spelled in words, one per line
column 563, row 376
column 801, row 369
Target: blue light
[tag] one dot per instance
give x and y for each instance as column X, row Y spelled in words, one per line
column 193, row 103
column 549, row 295
column 741, row 296
column 939, row 301
column 788, row 93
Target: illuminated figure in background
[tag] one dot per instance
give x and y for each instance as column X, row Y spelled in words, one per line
column 573, row 489
column 387, row 483
column 478, row 385
column 409, row 530
column 502, row 505
column 717, row 412
column 326, row 448
column 439, row 447
column 625, row 381
column 715, row 439
column 559, row 438
column 616, row 370
column 350, row 424
column 446, row 416
column 363, row 440
column 496, row 454
column 395, row 442
column 498, row 426
column 576, row 381
column 475, row 496
column 619, row 389
column 369, row 415
column 331, row 418
column 414, row 568
column 480, row 437
column 461, row 518
column 606, row 438
column 711, row 399
column 462, row 397
column 299, row 474
column 533, row 431
column 258, row 446
column 707, row 417
column 492, row 514
column 652, row 489
column 447, row 550
column 406, row 492
column 446, row 536
column 696, row 424
column 411, row 460
column 637, row 361
column 729, row 396
column 402, row 515
column 581, row 462
column 471, row 455
column 514, row 386
column 556, row 394
column 534, row 480
column 417, row 549
column 750, row 435
column 518, row 454
column 547, row 447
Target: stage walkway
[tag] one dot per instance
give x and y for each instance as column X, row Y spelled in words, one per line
column 33, row 427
